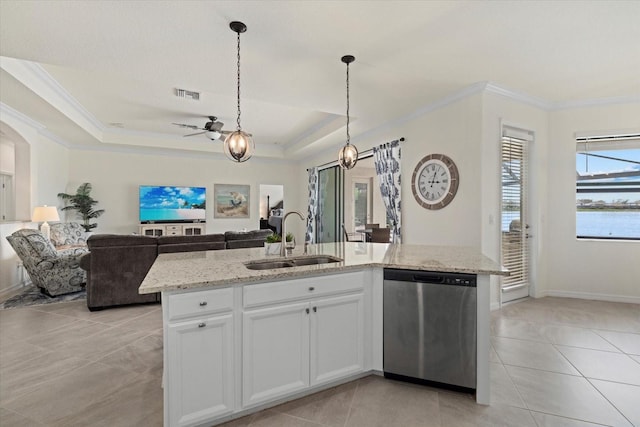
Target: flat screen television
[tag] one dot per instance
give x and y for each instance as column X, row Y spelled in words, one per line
column 165, row 204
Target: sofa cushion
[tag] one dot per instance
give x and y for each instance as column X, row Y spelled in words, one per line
column 203, row 242
column 165, row 240
column 247, row 235
column 102, row 240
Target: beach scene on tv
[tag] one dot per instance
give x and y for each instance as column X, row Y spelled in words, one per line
column 168, row 203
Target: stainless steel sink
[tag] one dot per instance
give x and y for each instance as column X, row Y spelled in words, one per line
column 266, row 264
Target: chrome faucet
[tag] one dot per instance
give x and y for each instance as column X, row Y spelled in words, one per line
column 283, row 250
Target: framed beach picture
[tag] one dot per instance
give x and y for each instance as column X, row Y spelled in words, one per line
column 231, row 201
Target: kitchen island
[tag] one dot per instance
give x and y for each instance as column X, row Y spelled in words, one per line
column 238, row 340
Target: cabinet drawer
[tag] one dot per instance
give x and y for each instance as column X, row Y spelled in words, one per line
column 200, row 303
column 305, row 288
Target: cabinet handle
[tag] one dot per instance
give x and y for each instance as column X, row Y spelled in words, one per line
column 203, row 303
column 202, row 325
column 311, row 288
column 307, row 310
column 315, row 309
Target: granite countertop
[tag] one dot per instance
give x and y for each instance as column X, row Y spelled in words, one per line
column 192, row 270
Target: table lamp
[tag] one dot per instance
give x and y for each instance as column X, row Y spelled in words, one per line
column 45, row 213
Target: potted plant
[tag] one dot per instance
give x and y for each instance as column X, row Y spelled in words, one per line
column 273, row 243
column 83, row 203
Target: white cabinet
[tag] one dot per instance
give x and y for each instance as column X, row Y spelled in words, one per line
column 291, row 346
column 157, row 230
column 199, row 357
column 337, row 338
column 152, row 230
column 275, row 356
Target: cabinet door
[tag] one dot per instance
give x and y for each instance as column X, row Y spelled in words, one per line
column 200, row 372
column 337, row 337
column 275, row 352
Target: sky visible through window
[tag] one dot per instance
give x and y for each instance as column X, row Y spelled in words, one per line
column 588, row 165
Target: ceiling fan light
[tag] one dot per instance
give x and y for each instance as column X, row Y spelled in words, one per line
column 348, row 156
column 213, row 135
column 239, row 146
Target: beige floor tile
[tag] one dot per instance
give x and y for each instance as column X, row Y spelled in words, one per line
column 530, row 354
column 493, row 356
column 517, row 328
column 462, row 411
column 502, row 389
column 576, row 337
column 102, row 343
column 379, row 402
column 329, row 407
column 603, row 365
column 110, row 316
column 69, row 333
column 71, row 393
column 12, row 419
column 627, row 342
column 546, row 420
column 20, row 324
column 564, row 395
column 22, row 375
column 11, row 351
column 151, row 321
column 270, row 418
column 138, row 404
column 626, row 398
column 141, row 356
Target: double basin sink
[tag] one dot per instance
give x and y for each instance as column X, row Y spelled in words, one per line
column 266, row 264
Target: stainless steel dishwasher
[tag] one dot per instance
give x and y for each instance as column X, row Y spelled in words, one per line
column 430, row 327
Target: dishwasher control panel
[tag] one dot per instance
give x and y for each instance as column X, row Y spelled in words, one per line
column 433, row 277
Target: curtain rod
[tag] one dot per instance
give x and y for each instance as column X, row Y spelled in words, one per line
column 369, row 151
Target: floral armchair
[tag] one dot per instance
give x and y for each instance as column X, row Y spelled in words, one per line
column 54, row 272
column 68, row 234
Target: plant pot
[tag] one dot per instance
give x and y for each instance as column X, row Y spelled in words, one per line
column 272, row 248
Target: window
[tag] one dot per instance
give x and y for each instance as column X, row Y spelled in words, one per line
column 608, row 188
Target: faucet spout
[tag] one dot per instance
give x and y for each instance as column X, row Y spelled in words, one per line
column 283, row 251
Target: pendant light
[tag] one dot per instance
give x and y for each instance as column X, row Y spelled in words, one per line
column 348, row 155
column 238, row 145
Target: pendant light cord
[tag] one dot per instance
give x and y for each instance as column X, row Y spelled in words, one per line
column 348, row 136
column 238, row 120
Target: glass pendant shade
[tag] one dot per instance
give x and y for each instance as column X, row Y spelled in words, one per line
column 348, row 156
column 239, row 146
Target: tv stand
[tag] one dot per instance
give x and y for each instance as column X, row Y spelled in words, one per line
column 182, row 229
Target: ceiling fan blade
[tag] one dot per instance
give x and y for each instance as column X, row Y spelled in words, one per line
column 197, row 133
column 216, row 126
column 182, row 125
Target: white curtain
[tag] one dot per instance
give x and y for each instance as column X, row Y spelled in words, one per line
column 312, row 210
column 387, row 162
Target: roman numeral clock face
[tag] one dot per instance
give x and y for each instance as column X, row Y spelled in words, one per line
column 435, row 181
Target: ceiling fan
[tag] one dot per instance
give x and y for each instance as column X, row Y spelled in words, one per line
column 212, row 128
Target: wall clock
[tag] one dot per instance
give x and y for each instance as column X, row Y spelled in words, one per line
column 435, row 181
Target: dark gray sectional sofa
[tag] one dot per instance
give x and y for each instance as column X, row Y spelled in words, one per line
column 116, row 265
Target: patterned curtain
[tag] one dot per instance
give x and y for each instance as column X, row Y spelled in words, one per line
column 387, row 161
column 310, row 237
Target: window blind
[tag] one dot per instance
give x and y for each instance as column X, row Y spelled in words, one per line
column 515, row 252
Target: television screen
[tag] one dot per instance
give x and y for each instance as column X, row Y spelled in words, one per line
column 172, row 204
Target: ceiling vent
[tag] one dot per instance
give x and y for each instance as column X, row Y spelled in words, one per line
column 183, row 93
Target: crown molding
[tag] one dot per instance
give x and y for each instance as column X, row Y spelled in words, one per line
column 518, row 96
column 17, row 115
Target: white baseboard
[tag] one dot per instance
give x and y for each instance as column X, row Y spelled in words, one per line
column 494, row 306
column 588, row 295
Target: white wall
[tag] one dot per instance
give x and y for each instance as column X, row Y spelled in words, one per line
column 608, row 270
column 116, row 176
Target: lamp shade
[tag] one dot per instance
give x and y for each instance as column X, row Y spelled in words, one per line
column 239, row 146
column 45, row 213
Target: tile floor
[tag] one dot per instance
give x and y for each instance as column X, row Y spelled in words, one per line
column 554, row 362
